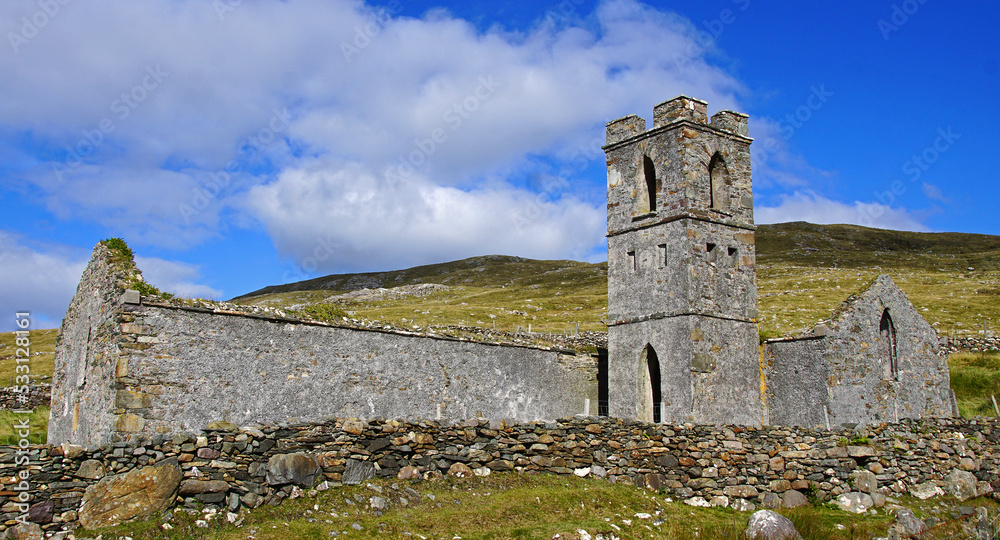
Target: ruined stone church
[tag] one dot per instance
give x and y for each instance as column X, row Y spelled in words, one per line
column 683, row 341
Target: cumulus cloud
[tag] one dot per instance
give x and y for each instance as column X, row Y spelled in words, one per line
column 175, row 106
column 175, row 277
column 37, row 279
column 814, row 208
column 346, row 217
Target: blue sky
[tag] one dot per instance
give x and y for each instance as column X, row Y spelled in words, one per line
column 237, row 144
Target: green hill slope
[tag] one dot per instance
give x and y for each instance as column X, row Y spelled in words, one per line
column 804, row 272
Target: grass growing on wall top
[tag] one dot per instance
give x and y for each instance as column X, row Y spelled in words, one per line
column 125, row 257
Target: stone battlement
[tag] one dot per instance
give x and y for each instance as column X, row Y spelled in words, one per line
column 675, row 111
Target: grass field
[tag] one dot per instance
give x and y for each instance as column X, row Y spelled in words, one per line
column 975, row 378
column 500, row 506
column 38, row 422
column 42, row 353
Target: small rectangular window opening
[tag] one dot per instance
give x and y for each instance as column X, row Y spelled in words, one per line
column 631, row 260
column 709, row 247
column 733, row 251
column 662, row 248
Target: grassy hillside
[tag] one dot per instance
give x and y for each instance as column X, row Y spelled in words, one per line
column 42, row 353
column 804, row 272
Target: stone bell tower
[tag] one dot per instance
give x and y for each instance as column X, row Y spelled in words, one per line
column 682, row 289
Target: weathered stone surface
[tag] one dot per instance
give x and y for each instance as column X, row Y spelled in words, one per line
column 358, row 471
column 208, row 453
column 961, row 484
column 697, row 501
column 793, row 499
column 136, row 494
column 222, row 425
column 409, row 473
column 742, row 505
column 905, row 525
column 864, row 481
column 21, row 531
column 354, row 426
column 72, row 451
column 860, row 451
column 771, row 501
column 299, row 469
column 196, row 487
column 744, row 492
column 768, row 525
column 459, row 470
column 41, row 512
column 855, row 502
column 926, row 490
column 92, row 469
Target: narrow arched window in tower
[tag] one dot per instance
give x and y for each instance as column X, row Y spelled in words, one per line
column 887, row 338
column 649, row 387
column 649, row 172
column 718, row 193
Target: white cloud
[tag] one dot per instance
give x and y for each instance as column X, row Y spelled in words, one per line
column 182, row 91
column 808, row 206
column 39, row 280
column 330, row 217
column 175, row 277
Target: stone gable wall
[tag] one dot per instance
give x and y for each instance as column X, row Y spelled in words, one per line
column 845, row 369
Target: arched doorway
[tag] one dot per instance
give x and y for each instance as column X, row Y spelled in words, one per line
column 649, row 398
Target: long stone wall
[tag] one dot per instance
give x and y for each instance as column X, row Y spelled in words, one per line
column 128, row 365
column 737, row 466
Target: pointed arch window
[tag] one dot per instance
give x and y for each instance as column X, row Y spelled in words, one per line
column 718, row 193
column 887, row 340
column 649, row 173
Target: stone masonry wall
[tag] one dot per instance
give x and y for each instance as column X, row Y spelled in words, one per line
column 736, row 466
column 850, row 362
column 129, row 366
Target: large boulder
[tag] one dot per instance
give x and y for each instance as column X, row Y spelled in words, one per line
column 864, row 481
column 299, row 469
column 356, row 471
column 925, row 491
column 793, row 499
column 24, row 531
column 768, row 525
column 855, row 502
column 137, row 494
column 906, row 525
column 962, row 485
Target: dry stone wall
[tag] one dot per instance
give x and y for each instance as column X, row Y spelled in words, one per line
column 36, row 396
column 738, row 466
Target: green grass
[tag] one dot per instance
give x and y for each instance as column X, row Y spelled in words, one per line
column 804, row 272
column 501, row 506
column 974, row 378
column 42, row 349
column 38, row 424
